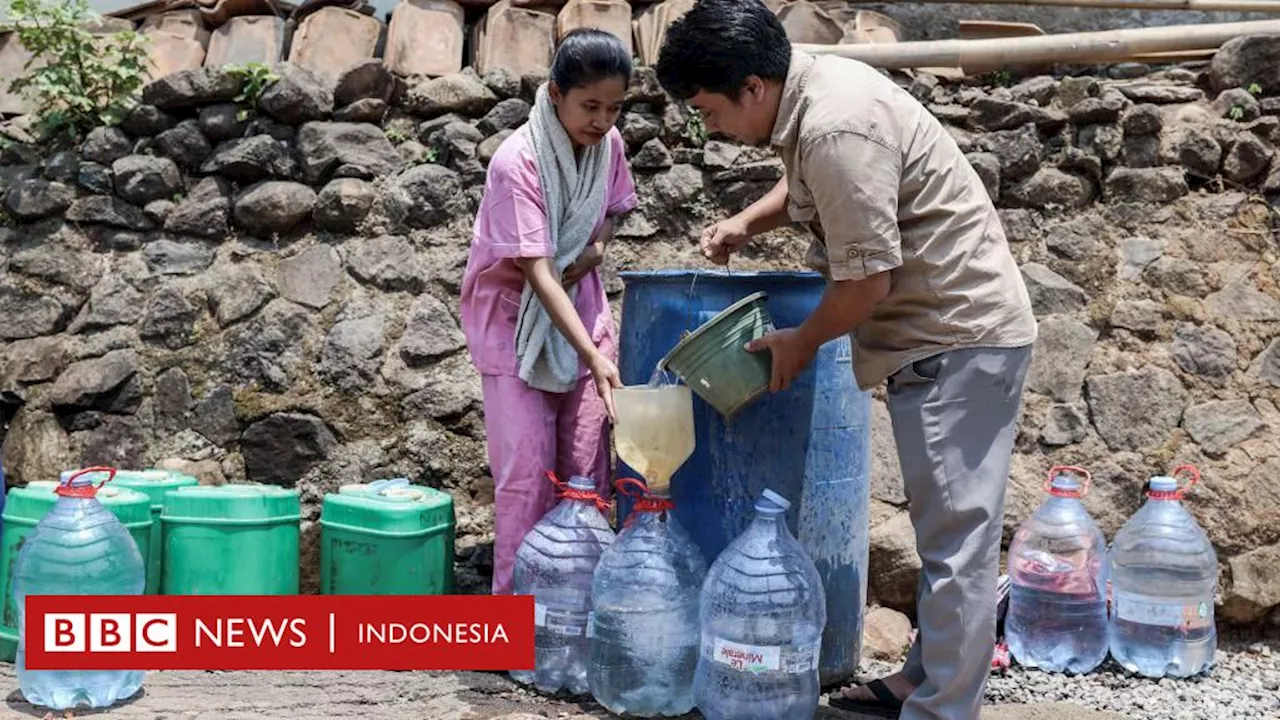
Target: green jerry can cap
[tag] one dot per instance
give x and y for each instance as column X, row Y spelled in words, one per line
column 231, row 503
column 388, row 506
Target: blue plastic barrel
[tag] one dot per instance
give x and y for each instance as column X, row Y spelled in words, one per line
column 811, row 443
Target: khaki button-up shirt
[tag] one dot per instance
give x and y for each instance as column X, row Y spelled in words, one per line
column 885, row 188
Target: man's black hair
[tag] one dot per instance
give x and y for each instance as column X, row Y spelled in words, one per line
column 718, row 44
column 587, row 55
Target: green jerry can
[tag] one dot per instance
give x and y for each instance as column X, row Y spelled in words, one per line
column 24, row 507
column 387, row 538
column 230, row 540
column 154, row 484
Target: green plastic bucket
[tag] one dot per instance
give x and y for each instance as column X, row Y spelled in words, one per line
column 387, row 538
column 154, row 484
column 25, row 507
column 714, row 363
column 230, row 540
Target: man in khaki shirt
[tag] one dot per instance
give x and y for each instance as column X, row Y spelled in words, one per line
column 922, row 278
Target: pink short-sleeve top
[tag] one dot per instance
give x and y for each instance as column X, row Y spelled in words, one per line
column 512, row 224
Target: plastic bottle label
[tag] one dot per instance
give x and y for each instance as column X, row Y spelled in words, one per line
column 763, row 658
column 569, row 623
column 1136, row 609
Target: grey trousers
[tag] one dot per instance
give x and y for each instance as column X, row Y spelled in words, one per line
column 955, row 419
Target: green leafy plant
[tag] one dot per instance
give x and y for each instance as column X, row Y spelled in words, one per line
column 1254, row 89
column 695, row 130
column 396, row 135
column 1001, row 78
column 75, row 80
column 254, row 79
column 1236, row 112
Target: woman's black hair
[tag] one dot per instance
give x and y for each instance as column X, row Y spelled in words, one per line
column 588, row 55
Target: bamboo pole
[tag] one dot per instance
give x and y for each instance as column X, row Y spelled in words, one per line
column 1259, row 6
column 1082, row 47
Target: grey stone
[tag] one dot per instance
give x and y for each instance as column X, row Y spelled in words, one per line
column 37, row 199
column 271, row 348
column 1242, row 300
column 215, row 416
column 1142, row 120
column 350, row 358
column 263, row 125
column 718, row 155
column 221, row 122
column 310, row 277
column 1205, row 351
column 112, row 302
column 770, row 170
column 1041, row 88
column 95, row 178
column 1146, row 185
column 35, row 447
column 652, row 156
column 672, row 189
column 59, row 265
column 506, row 84
column 639, row 128
column 1135, row 254
column 237, row 292
column 1073, row 90
column 108, row 210
column 95, row 384
column 451, row 388
column 430, row 333
column 1051, row 187
column 1237, row 104
column 299, row 95
column 170, row 319
column 343, row 204
column 177, row 257
column 1245, row 60
column 1064, row 425
column 506, row 115
column 1219, row 425
column 432, row 190
column 1247, row 159
column 205, row 213
column 1176, row 275
column 280, row 449
column 185, row 144
column 368, row 110
column 173, row 399
column 1050, row 292
column 274, row 207
column 1141, row 151
column 1193, row 147
column 894, row 563
column 987, row 165
column 1079, row 162
column 387, row 262
column 121, row 240
column 116, row 442
column 1061, row 357
column 192, row 88
column 992, row 114
column 345, row 150
column 1266, row 366
column 1162, row 94
column 146, row 121
column 1104, row 141
column 35, row 360
column 1137, row 409
column 368, row 80
column 455, row 143
column 250, row 159
column 489, row 146
column 1105, row 108
column 462, row 93
column 105, row 145
column 140, row 179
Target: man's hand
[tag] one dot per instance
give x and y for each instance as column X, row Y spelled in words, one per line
column 726, row 237
column 590, row 259
column 792, row 353
column 606, row 376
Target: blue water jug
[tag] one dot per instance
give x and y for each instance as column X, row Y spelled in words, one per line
column 555, row 563
column 762, row 616
column 1164, row 572
column 1057, row 619
column 78, row 548
column 645, row 634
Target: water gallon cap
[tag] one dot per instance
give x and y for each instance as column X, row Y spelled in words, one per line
column 578, row 482
column 80, row 483
column 771, row 501
column 1065, row 482
column 1164, row 483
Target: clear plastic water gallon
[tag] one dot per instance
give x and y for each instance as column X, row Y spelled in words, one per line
column 78, row 548
column 645, row 636
column 555, row 563
column 1164, row 573
column 1057, row 619
column 763, row 612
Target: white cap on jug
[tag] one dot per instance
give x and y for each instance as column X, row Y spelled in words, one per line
column 775, row 498
column 1163, row 483
column 578, row 482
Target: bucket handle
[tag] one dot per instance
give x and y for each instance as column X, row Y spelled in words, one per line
column 66, row 489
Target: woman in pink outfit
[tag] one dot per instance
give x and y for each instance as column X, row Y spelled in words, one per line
column 534, row 311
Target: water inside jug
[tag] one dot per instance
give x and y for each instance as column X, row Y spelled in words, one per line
column 1057, row 617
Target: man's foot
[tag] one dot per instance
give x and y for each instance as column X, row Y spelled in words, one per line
column 882, row 697
column 897, row 683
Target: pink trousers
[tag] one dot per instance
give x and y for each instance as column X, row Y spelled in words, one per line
column 530, row 432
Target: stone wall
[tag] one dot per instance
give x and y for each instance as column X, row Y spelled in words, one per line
column 272, row 296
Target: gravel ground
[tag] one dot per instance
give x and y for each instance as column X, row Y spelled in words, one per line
column 1243, row 685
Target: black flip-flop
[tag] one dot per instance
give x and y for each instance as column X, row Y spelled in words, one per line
column 885, row 705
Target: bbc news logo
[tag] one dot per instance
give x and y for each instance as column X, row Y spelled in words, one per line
column 168, row 632
column 110, row 632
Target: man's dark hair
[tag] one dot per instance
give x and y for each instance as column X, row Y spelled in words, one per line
column 587, row 55
column 718, row 44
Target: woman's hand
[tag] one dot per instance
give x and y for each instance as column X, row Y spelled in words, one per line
column 607, row 378
column 590, row 259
